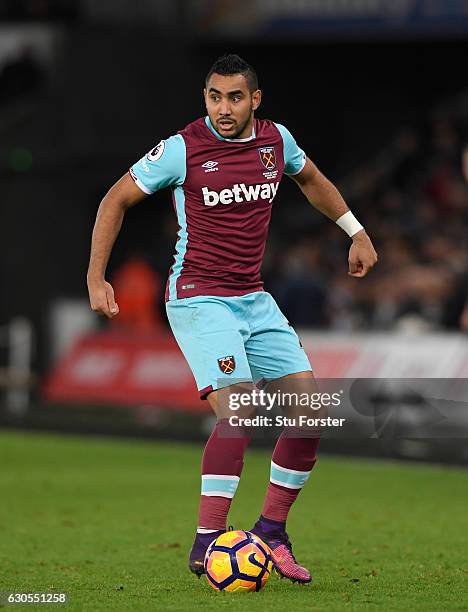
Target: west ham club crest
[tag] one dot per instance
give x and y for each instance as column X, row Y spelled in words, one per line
column 227, row 365
column 267, row 157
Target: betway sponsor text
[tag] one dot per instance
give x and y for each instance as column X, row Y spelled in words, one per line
column 240, row 192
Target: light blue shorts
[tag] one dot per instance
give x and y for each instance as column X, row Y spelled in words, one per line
column 227, row 340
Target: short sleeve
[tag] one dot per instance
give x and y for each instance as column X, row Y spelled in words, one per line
column 294, row 157
column 164, row 166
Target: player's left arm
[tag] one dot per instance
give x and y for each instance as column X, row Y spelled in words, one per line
column 326, row 198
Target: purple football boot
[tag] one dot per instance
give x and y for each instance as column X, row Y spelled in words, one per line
column 199, row 548
column 274, row 535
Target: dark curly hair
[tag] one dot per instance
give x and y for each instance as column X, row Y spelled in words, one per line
column 230, row 64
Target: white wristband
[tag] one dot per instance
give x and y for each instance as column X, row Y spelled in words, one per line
column 349, row 224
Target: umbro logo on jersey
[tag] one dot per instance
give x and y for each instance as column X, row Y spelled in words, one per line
column 210, row 166
column 240, row 192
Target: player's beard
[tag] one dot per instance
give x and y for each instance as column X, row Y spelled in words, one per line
column 240, row 129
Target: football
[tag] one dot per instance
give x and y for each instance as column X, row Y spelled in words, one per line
column 238, row 561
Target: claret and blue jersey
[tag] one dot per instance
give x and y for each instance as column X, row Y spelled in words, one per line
column 227, row 326
column 222, row 190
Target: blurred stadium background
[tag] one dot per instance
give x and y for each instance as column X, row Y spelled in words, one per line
column 377, row 95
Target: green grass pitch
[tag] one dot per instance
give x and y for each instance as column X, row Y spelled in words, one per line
column 111, row 522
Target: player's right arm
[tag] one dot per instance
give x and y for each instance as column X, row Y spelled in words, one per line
column 119, row 198
column 163, row 166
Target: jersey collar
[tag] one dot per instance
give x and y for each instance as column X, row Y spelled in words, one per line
column 219, row 137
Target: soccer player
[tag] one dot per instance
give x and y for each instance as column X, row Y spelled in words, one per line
column 224, row 172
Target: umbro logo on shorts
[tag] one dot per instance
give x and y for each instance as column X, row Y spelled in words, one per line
column 227, row 364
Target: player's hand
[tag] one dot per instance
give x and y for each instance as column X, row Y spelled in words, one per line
column 362, row 255
column 101, row 298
